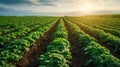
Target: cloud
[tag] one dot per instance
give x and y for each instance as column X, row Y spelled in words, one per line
column 29, row 2
column 44, row 2
column 5, row 9
column 62, row 7
column 106, row 12
column 11, row 2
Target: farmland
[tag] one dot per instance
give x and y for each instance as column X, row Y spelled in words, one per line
column 41, row 41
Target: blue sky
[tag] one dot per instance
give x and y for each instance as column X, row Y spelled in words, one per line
column 59, row 7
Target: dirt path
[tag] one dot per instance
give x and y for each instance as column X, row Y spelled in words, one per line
column 78, row 58
column 30, row 58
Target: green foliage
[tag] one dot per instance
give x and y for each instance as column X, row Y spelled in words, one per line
column 98, row 55
column 58, row 51
column 13, row 51
column 52, row 60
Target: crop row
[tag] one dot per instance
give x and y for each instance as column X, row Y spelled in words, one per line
column 110, row 23
column 15, row 28
column 14, row 51
column 8, row 22
column 98, row 55
column 58, row 51
column 108, row 30
column 11, row 24
column 102, row 36
column 18, row 34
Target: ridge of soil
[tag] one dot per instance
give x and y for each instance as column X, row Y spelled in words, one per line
column 78, row 58
column 30, row 58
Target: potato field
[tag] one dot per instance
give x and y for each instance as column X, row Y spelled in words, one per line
column 46, row 41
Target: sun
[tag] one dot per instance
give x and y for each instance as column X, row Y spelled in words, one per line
column 87, row 8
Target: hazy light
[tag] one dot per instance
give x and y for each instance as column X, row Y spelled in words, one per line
column 61, row 7
column 88, row 7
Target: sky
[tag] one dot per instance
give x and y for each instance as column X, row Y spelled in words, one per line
column 59, row 7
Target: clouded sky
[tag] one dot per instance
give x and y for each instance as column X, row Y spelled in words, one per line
column 58, row 7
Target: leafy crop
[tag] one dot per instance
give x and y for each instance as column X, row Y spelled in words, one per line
column 58, row 51
column 97, row 55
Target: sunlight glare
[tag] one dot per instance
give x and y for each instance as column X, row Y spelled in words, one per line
column 87, row 8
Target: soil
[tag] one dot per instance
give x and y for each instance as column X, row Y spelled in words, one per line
column 78, row 58
column 30, row 58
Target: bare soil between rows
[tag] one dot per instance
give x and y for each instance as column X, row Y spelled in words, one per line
column 30, row 58
column 78, row 57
